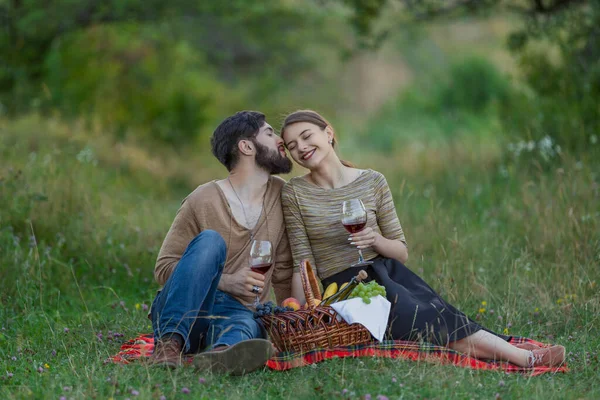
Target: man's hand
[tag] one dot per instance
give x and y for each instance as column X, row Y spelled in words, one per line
column 240, row 283
column 365, row 238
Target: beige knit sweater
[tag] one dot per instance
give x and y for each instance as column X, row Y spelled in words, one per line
column 207, row 208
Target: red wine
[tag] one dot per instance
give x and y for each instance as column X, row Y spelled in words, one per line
column 261, row 268
column 353, row 228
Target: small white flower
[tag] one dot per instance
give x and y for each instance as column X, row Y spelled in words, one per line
column 531, row 145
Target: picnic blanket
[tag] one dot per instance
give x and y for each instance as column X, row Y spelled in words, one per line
column 143, row 345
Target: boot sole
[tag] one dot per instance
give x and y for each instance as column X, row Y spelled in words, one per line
column 239, row 359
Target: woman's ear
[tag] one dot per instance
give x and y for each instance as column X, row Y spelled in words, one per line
column 245, row 147
column 330, row 134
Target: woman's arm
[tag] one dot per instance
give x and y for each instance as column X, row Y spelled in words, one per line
column 298, row 238
column 389, row 248
column 391, row 242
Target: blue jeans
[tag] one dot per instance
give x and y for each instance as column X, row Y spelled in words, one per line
column 191, row 305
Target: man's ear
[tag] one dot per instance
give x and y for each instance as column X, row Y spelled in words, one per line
column 246, row 147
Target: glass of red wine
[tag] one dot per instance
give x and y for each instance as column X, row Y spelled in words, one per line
column 261, row 259
column 354, row 219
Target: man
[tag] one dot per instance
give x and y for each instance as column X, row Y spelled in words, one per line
column 203, row 263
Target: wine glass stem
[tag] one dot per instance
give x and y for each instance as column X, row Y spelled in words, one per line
column 360, row 256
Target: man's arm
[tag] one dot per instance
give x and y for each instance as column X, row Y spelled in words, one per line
column 184, row 228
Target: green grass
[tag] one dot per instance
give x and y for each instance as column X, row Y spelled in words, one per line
column 80, row 230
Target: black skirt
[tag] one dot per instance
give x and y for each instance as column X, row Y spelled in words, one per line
column 417, row 312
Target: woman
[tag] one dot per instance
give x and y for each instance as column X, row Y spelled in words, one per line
column 311, row 206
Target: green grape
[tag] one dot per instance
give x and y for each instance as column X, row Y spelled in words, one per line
column 367, row 291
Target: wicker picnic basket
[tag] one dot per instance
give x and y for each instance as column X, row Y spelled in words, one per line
column 315, row 327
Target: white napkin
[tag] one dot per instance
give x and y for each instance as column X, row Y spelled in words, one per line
column 372, row 316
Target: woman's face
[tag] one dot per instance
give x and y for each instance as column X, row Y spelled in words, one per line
column 307, row 143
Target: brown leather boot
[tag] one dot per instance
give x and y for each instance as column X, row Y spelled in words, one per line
column 167, row 353
column 547, row 357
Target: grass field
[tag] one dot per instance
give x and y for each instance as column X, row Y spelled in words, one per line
column 82, row 219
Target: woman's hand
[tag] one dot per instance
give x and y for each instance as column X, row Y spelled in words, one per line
column 368, row 238
column 365, row 238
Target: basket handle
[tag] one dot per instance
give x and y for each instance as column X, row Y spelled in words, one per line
column 309, row 284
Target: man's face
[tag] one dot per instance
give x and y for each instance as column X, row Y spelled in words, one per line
column 270, row 152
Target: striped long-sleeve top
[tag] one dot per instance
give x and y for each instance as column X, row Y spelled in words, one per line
column 313, row 217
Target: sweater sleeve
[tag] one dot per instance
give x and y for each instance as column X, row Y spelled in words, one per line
column 184, row 228
column 283, row 270
column 296, row 231
column 387, row 218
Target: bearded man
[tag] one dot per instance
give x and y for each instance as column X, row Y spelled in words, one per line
column 204, row 263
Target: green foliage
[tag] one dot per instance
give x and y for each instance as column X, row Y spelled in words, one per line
column 162, row 70
column 559, row 56
column 462, row 103
column 134, row 79
column 472, row 86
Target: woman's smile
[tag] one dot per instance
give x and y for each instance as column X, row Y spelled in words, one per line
column 308, row 155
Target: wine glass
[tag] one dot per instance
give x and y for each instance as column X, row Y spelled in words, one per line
column 354, row 219
column 261, row 259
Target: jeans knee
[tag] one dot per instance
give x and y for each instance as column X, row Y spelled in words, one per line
column 210, row 246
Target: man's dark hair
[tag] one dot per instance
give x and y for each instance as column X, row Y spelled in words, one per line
column 243, row 125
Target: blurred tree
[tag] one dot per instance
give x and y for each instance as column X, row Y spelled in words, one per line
column 559, row 58
column 366, row 13
column 558, row 48
column 78, row 53
column 30, row 28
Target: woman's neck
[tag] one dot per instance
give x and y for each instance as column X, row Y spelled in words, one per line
column 331, row 174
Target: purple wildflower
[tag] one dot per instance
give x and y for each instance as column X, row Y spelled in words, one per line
column 501, row 383
column 9, row 375
column 345, row 391
column 67, row 388
column 66, row 330
column 13, row 358
column 394, row 380
column 134, row 392
column 367, row 396
column 381, row 397
column 53, row 353
column 144, row 306
column 202, row 381
column 40, row 370
column 185, row 390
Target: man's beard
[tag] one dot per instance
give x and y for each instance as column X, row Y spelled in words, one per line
column 271, row 160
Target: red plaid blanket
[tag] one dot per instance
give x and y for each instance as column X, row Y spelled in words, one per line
column 143, row 345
